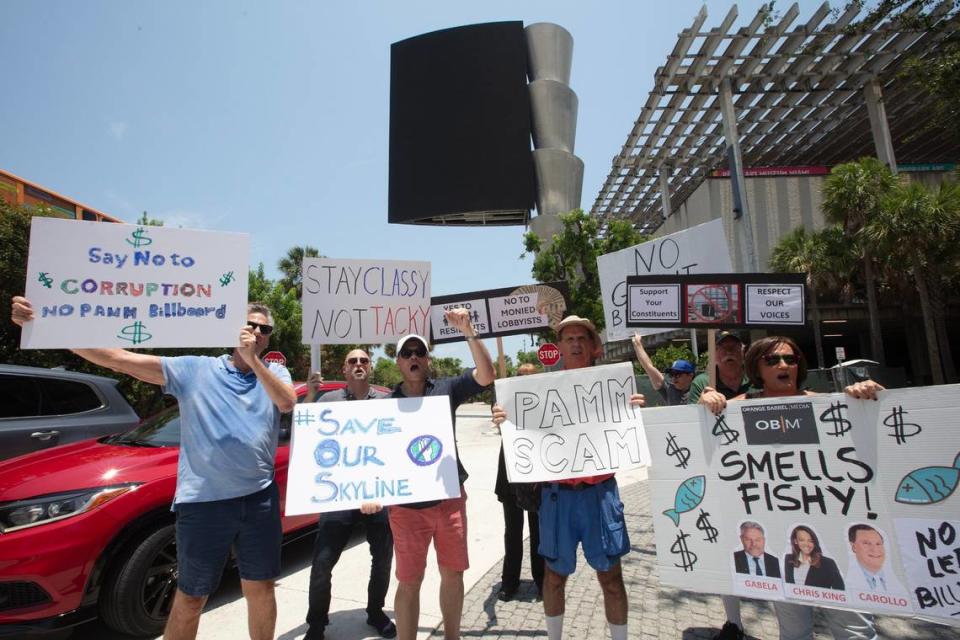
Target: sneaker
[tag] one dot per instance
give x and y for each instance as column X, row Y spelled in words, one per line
column 314, row 634
column 506, row 593
column 729, row 631
column 382, row 624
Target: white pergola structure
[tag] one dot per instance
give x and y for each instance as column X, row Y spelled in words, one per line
column 774, row 93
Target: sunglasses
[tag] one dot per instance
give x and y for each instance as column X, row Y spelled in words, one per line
column 265, row 329
column 775, row 359
column 409, row 353
column 352, row 361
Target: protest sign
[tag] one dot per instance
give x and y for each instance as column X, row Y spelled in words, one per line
column 391, row 451
column 739, row 501
column 717, row 300
column 502, row 312
column 364, row 301
column 119, row 285
column 699, row 249
column 571, row 424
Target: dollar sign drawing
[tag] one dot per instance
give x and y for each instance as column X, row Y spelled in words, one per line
column 46, row 280
column 721, row 430
column 682, row 453
column 834, row 415
column 226, row 279
column 135, row 333
column 687, row 558
column 703, row 523
column 140, row 238
column 895, row 422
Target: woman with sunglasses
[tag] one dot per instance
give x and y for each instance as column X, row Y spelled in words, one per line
column 777, row 368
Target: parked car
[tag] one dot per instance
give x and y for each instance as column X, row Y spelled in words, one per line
column 86, row 529
column 42, row 408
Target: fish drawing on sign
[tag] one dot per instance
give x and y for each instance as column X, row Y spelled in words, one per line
column 929, row 485
column 689, row 496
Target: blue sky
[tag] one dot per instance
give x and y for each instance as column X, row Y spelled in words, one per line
column 271, row 118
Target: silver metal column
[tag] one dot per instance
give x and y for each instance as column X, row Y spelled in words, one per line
column 732, row 137
column 554, row 113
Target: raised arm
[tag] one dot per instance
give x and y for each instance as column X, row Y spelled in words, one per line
column 483, row 372
column 139, row 365
column 281, row 393
column 656, row 378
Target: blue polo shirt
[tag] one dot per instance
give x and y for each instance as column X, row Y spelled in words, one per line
column 229, row 427
column 458, row 389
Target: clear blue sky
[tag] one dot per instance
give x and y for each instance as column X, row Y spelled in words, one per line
column 271, row 118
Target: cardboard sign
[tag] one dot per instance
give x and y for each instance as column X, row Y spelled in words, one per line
column 699, row 249
column 364, row 301
column 502, row 312
column 391, row 451
column 119, row 285
column 728, row 300
column 744, row 502
column 571, row 424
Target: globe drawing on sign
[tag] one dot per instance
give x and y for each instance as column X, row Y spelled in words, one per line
column 549, row 301
column 424, row 450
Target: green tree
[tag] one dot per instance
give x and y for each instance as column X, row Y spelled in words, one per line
column 146, row 221
column 291, row 266
column 528, row 357
column 919, row 227
column 852, row 196
column 572, row 257
column 386, row 373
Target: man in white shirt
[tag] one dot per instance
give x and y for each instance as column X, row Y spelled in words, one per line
column 868, row 572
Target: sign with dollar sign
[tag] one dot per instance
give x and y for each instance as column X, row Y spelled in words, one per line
column 93, row 284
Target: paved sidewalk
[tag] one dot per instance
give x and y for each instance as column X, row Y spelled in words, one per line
column 655, row 611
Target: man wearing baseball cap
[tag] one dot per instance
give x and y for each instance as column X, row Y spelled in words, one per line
column 444, row 522
column 583, row 512
column 673, row 391
column 731, row 379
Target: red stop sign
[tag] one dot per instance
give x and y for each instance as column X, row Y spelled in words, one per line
column 548, row 354
column 276, row 356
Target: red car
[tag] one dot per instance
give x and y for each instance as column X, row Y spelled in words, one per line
column 86, row 529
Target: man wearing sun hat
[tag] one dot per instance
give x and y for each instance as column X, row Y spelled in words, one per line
column 444, row 522
column 583, row 512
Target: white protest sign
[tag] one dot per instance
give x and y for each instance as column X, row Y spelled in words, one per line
column 699, row 249
column 391, row 451
column 96, row 284
column 571, row 424
column 477, row 308
column 740, row 503
column 518, row 310
column 778, row 303
column 357, row 301
column 655, row 303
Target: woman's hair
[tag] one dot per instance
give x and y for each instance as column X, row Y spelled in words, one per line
column 763, row 347
column 817, row 552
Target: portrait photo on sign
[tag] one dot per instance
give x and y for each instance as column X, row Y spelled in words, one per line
column 807, row 563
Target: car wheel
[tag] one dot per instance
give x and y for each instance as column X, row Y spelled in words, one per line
column 137, row 595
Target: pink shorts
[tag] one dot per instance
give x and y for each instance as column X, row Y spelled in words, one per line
column 413, row 529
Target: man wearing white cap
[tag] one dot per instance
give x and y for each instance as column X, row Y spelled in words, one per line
column 444, row 522
column 585, row 512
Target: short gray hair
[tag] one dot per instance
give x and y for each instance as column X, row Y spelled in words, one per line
column 750, row 524
column 259, row 307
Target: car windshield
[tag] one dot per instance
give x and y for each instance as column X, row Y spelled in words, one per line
column 162, row 430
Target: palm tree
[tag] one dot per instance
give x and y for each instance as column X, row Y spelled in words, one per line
column 291, row 266
column 913, row 226
column 852, row 196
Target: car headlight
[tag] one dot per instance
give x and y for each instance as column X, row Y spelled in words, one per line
column 33, row 512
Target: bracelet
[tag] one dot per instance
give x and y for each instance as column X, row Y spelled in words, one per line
column 470, row 338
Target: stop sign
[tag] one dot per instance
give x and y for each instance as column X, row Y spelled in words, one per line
column 548, row 354
column 276, row 356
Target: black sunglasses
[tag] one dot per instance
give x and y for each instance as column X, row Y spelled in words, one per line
column 409, row 353
column 774, row 359
column 265, row 329
column 358, row 360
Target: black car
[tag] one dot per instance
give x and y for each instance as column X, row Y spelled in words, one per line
column 42, row 408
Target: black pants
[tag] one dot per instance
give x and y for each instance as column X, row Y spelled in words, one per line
column 332, row 537
column 513, row 546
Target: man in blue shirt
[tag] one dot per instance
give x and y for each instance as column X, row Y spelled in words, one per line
column 230, row 414
column 444, row 522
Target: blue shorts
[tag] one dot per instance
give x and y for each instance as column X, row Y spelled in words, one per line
column 206, row 531
column 591, row 515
